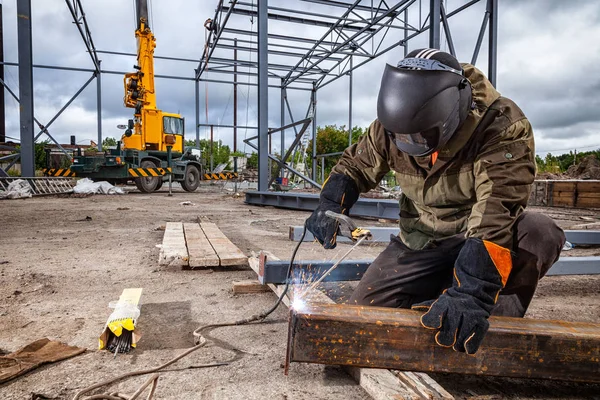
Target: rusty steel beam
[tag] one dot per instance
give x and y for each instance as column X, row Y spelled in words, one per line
column 377, row 337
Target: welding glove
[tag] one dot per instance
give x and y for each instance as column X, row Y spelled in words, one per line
column 461, row 313
column 338, row 194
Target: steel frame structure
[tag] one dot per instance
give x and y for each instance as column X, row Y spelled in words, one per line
column 359, row 34
column 351, row 35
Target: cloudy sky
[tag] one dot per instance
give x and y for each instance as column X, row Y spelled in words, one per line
column 548, row 60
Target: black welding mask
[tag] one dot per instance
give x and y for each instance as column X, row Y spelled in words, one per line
column 423, row 101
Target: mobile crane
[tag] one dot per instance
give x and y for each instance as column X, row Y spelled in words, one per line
column 152, row 146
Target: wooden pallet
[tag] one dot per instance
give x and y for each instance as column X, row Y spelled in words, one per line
column 380, row 384
column 193, row 245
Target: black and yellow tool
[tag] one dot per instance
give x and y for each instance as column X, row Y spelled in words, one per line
column 348, row 228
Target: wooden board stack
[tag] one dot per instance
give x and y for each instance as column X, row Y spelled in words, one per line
column 193, row 245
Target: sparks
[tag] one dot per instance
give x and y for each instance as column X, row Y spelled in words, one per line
column 298, row 304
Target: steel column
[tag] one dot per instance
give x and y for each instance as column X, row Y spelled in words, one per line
column 486, row 17
column 99, row 105
column 26, row 88
column 350, row 104
column 2, row 116
column 314, row 133
column 434, row 22
column 263, row 96
column 282, row 121
column 492, row 7
column 197, row 98
column 235, row 95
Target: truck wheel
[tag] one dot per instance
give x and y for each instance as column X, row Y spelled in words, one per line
column 147, row 184
column 192, row 179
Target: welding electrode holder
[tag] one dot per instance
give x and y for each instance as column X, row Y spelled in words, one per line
column 348, row 228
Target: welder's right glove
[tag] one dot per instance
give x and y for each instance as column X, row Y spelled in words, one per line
column 338, row 194
column 461, row 313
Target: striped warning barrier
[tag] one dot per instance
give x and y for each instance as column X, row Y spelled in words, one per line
column 220, row 176
column 64, row 172
column 148, row 172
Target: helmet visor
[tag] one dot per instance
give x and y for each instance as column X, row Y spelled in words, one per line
column 416, row 144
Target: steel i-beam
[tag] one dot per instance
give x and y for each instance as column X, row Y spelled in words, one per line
column 305, row 271
column 377, row 337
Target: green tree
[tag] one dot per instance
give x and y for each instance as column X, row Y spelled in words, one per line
column 252, row 162
column 41, row 156
column 220, row 151
column 333, row 139
column 109, row 142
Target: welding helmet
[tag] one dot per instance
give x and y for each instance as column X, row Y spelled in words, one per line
column 423, row 101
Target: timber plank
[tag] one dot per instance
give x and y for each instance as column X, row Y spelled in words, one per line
column 201, row 252
column 394, row 338
column 173, row 251
column 380, row 384
column 249, row 286
column 228, row 253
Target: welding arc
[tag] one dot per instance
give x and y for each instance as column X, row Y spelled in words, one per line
column 200, row 341
column 334, row 266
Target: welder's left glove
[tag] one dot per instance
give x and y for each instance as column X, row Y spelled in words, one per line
column 461, row 313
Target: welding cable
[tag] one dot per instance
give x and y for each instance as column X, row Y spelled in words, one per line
column 258, row 317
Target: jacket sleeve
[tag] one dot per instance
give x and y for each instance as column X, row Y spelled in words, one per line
column 504, row 172
column 366, row 161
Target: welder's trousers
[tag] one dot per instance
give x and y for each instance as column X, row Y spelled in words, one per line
column 401, row 277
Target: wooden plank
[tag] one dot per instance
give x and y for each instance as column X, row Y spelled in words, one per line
column 173, row 251
column 201, row 252
column 394, row 338
column 249, row 286
column 588, row 186
column 588, row 202
column 564, row 186
column 228, row 253
column 380, row 384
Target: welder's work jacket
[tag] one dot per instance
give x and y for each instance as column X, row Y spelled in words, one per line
column 479, row 184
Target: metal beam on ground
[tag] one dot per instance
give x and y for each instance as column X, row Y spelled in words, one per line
column 375, row 208
column 382, row 234
column 378, row 337
column 352, row 270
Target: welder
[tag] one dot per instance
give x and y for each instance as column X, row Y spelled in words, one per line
column 464, row 158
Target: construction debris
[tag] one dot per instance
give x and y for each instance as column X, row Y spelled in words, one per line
column 87, row 186
column 40, row 352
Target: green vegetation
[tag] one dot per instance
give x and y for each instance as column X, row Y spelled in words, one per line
column 560, row 164
column 108, row 142
column 221, row 152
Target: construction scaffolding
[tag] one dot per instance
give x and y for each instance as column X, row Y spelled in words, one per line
column 343, row 37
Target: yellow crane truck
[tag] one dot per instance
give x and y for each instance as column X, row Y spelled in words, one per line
column 152, row 146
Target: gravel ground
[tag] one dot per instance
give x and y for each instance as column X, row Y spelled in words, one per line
column 59, row 270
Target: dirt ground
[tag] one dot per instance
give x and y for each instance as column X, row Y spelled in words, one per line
column 59, row 270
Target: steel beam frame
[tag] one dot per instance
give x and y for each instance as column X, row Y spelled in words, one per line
column 359, row 31
column 306, row 271
column 382, row 235
column 387, row 209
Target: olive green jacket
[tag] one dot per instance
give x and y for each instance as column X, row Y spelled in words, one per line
column 479, row 184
